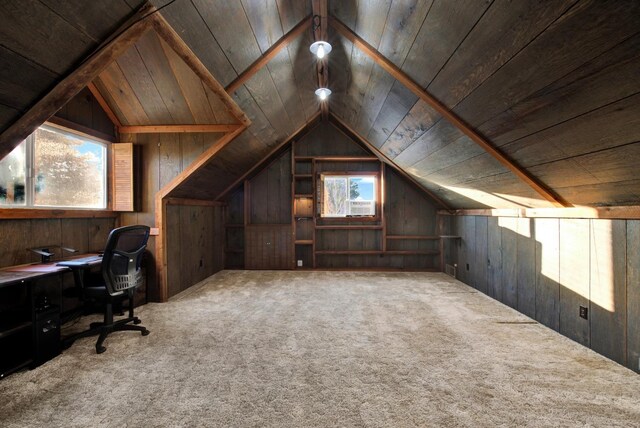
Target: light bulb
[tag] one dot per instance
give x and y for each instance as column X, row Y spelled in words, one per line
column 323, row 93
column 320, row 52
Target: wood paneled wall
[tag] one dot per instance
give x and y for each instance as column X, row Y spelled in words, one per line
column 194, row 245
column 84, row 110
column 271, row 193
column 408, row 212
column 547, row 268
column 163, row 156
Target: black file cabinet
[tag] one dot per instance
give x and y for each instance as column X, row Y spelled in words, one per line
column 46, row 339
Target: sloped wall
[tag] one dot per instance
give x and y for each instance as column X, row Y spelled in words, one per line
column 547, row 268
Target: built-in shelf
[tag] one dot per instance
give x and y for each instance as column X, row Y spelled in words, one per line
column 303, row 195
column 304, row 241
column 297, row 176
column 376, row 252
column 16, row 364
column 414, row 237
column 8, row 329
column 349, row 227
column 233, row 225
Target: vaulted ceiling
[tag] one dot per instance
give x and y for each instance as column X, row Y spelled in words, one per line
column 553, row 86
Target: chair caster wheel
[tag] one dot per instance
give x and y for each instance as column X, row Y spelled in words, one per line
column 100, row 349
column 137, row 321
column 145, row 332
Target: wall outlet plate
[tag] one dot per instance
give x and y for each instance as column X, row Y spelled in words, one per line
column 584, row 312
column 299, row 263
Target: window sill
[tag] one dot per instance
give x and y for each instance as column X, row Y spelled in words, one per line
column 27, row 213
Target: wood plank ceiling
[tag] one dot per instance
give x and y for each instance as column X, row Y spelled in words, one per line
column 553, row 85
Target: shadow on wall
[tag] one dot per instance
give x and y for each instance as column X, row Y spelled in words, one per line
column 549, row 268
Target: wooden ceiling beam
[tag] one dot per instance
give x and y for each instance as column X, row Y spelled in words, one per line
column 342, row 126
column 448, row 114
column 77, row 80
column 297, row 134
column 319, row 8
column 176, row 43
column 269, row 55
column 105, row 106
column 163, row 129
column 201, row 161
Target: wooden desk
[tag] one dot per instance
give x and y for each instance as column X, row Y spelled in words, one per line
column 18, row 323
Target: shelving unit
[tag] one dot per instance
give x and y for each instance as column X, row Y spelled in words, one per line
column 16, row 329
column 307, row 225
column 302, row 212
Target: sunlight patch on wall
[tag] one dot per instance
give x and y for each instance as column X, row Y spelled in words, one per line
column 602, row 270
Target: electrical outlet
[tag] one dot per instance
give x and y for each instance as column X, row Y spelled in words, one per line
column 299, row 263
column 584, row 312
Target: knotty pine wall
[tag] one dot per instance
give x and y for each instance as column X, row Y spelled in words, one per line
column 546, row 268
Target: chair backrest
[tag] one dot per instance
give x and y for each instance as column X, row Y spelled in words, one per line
column 122, row 258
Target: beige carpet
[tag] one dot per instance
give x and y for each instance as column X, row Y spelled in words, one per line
column 299, row 349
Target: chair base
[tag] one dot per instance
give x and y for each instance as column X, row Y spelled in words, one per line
column 104, row 329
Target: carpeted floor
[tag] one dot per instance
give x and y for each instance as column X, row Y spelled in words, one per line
column 300, row 349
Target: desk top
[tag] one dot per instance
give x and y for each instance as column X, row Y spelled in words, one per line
column 21, row 273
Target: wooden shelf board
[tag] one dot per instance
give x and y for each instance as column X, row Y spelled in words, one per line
column 380, row 252
column 349, row 227
column 297, row 176
column 303, row 195
column 14, row 367
column 414, row 237
column 7, row 330
column 304, row 242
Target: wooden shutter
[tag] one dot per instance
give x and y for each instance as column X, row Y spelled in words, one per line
column 123, row 176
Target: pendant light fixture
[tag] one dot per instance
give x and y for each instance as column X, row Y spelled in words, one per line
column 323, row 93
column 320, row 48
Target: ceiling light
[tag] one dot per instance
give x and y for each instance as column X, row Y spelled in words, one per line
column 320, row 49
column 323, row 93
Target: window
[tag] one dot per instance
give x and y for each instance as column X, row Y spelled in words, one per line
column 348, row 195
column 55, row 169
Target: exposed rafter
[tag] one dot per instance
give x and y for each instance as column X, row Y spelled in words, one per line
column 268, row 55
column 384, row 158
column 445, row 112
column 320, row 33
column 160, row 129
column 71, row 85
column 300, row 132
column 105, row 106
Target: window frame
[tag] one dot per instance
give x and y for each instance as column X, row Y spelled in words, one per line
column 31, row 211
column 377, row 192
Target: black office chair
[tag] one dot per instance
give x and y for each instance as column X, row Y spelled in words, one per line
column 121, row 273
